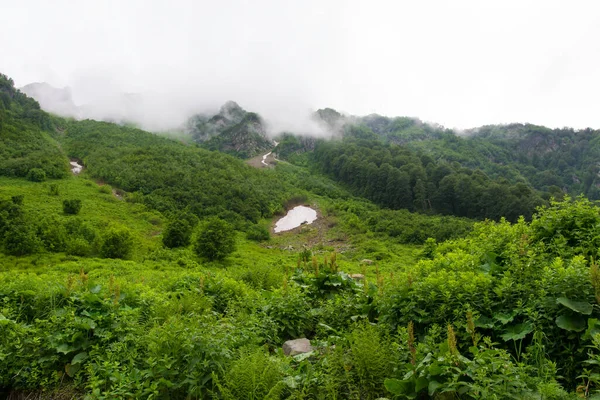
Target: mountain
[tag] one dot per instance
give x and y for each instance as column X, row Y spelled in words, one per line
column 53, row 100
column 232, row 130
column 27, row 145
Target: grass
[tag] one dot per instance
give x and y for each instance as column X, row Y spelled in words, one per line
column 99, row 208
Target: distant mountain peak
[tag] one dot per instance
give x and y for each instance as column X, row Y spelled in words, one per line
column 233, row 130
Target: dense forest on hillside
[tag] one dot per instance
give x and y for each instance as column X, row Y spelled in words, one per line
column 552, row 161
column 155, row 272
column 170, row 176
column 26, row 147
column 398, row 178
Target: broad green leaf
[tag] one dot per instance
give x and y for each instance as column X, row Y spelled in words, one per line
column 484, row 322
column 505, row 318
column 581, row 307
column 64, row 348
column 517, row 332
column 397, row 387
column 79, row 357
column 422, row 383
column 435, row 370
column 96, row 289
column 303, row 356
column 71, row 370
column 290, row 382
column 433, row 386
column 574, row 323
column 593, row 328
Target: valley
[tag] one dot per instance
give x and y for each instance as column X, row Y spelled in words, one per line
column 428, row 265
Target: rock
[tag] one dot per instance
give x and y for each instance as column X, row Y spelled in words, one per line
column 366, row 261
column 357, row 277
column 297, row 346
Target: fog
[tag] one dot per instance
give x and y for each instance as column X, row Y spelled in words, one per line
column 461, row 64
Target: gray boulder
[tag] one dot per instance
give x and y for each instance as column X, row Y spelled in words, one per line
column 297, row 346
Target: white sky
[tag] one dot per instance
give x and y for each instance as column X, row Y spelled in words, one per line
column 458, row 63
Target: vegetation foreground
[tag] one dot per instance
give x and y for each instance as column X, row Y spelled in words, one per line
column 510, row 311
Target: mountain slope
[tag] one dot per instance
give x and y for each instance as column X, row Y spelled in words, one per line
column 53, row 100
column 25, row 136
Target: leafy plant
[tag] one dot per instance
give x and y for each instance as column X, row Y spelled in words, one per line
column 72, row 206
column 215, row 239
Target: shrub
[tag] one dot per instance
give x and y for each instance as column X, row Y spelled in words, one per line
column 254, row 375
column 118, row 243
column 36, row 175
column 105, row 189
column 177, row 234
column 53, row 190
column 215, row 240
column 78, row 247
column 53, row 234
column 72, row 206
column 18, row 200
column 20, row 240
column 258, row 233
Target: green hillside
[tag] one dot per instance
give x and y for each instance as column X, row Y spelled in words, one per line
column 26, row 146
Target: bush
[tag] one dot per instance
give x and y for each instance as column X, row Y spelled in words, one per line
column 20, row 240
column 18, row 200
column 258, row 233
column 36, row 175
column 215, row 240
column 254, row 372
column 53, row 234
column 118, row 243
column 78, row 247
column 177, row 234
column 105, row 189
column 53, row 190
column 72, row 206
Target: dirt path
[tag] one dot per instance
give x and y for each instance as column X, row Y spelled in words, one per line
column 257, row 162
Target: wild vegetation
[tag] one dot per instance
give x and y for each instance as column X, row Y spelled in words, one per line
column 155, row 274
column 26, row 146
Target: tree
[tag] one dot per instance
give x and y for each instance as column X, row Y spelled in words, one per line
column 215, row 239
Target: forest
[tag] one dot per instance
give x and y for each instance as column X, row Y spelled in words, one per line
column 440, row 266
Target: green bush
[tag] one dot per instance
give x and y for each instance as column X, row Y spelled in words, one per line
column 20, row 240
column 254, row 375
column 78, row 247
column 53, row 234
column 53, row 190
column 258, row 233
column 215, row 240
column 72, row 206
column 117, row 243
column 18, row 200
column 105, row 189
column 36, row 175
column 177, row 234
